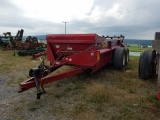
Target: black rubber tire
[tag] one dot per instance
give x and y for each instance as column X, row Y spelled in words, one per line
column 119, row 58
column 126, row 55
column 146, row 61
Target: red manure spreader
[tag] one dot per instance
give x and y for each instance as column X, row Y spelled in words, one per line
column 82, row 52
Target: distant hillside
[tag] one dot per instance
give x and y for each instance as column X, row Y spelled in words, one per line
column 136, row 41
column 40, row 37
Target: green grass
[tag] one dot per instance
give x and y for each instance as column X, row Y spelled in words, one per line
column 106, row 94
column 137, row 49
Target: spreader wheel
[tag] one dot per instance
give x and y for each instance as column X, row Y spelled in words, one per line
column 146, row 64
column 126, row 55
column 119, row 58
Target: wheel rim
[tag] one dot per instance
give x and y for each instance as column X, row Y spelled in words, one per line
column 127, row 58
column 123, row 60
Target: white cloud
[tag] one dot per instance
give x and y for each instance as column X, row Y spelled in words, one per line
column 132, row 18
column 55, row 10
column 116, row 12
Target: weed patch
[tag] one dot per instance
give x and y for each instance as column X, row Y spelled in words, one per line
column 98, row 94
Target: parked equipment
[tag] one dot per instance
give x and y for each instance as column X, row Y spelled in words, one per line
column 30, row 51
column 8, row 41
column 149, row 62
column 82, row 52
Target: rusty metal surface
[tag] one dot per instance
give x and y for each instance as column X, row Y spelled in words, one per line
column 156, row 45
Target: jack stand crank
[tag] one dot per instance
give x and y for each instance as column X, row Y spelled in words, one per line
column 39, row 92
column 37, row 74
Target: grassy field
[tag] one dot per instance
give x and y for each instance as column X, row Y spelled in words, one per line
column 106, row 95
column 136, row 48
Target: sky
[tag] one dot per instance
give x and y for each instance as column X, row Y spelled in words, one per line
column 135, row 19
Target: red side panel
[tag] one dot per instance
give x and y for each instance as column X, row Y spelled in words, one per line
column 86, row 59
column 105, row 58
column 50, row 55
column 68, row 44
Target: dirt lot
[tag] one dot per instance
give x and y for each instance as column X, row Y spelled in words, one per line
column 107, row 94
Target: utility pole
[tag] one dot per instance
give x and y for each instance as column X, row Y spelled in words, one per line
column 65, row 22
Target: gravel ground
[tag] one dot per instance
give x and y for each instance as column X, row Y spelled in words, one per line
column 25, row 106
column 14, row 105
